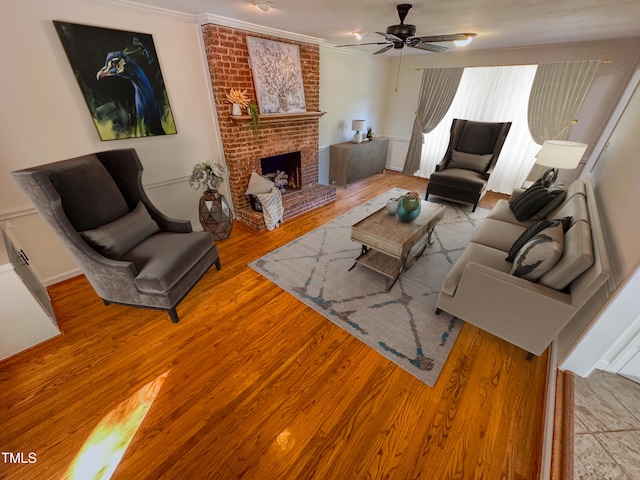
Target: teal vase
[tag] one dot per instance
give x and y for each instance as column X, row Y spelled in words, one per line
column 409, row 207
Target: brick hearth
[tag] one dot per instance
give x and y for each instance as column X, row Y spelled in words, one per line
column 228, row 56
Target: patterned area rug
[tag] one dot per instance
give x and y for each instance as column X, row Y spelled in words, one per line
column 400, row 324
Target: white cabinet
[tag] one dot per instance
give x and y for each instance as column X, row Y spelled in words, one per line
column 23, row 321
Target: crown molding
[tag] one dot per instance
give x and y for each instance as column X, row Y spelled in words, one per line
column 206, row 18
column 148, row 9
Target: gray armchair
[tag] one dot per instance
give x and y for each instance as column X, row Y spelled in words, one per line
column 471, row 156
column 130, row 252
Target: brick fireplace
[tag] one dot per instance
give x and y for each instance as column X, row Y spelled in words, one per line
column 279, row 134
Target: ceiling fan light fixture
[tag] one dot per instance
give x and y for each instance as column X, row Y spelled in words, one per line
column 466, row 41
column 358, row 35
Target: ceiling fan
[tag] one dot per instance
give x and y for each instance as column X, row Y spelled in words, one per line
column 398, row 36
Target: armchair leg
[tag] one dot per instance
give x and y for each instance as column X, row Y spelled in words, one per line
column 438, row 311
column 218, row 265
column 474, row 206
column 174, row 315
column 530, row 356
column 106, row 302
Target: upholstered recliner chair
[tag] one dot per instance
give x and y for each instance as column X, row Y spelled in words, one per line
column 130, row 252
column 471, row 156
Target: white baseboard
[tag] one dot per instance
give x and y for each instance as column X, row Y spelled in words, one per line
column 61, row 277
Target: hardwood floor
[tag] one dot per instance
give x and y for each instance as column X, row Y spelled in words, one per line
column 259, row 386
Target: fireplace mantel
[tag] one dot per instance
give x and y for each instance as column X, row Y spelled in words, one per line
column 278, row 117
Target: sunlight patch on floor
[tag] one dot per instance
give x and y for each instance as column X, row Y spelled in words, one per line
column 100, row 455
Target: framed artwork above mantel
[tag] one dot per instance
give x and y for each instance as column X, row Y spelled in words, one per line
column 277, row 76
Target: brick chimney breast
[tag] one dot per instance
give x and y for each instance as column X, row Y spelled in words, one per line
column 228, row 58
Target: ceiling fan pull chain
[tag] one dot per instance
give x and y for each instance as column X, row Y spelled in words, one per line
column 398, row 74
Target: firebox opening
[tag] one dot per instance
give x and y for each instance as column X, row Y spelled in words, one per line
column 284, row 170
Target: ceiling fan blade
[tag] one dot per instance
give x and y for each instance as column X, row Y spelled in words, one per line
column 430, row 47
column 390, row 37
column 358, row 44
column 384, row 49
column 444, row 38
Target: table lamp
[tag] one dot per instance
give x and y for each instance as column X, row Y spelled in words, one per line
column 560, row 154
column 358, row 125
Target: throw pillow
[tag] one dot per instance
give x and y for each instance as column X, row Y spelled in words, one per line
column 470, row 161
column 540, row 254
column 115, row 239
column 533, row 230
column 258, row 184
column 559, row 195
column 525, row 236
column 532, row 200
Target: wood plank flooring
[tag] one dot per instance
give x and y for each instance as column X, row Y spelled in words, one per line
column 261, row 387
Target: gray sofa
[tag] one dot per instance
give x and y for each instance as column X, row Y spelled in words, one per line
column 480, row 288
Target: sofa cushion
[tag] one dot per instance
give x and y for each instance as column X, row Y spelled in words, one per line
column 502, row 211
column 531, row 201
column 576, row 258
column 90, row 197
column 575, row 207
column 540, row 254
column 163, row 259
column 115, row 239
column 497, row 234
column 474, row 252
column 470, row 161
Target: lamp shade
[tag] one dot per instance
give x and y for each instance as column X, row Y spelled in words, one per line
column 358, row 125
column 561, row 154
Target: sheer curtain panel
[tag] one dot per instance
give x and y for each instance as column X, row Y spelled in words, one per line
column 437, row 90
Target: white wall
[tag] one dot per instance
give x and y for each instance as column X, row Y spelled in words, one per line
column 352, row 86
column 45, row 118
column 616, row 178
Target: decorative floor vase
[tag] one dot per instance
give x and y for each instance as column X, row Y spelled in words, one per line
column 409, row 207
column 215, row 215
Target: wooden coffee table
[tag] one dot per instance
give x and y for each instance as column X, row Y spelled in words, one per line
column 390, row 246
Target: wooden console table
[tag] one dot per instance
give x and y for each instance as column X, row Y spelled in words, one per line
column 350, row 161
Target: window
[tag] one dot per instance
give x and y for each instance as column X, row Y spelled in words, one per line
column 491, row 94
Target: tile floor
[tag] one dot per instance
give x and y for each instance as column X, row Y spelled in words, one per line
column 606, row 427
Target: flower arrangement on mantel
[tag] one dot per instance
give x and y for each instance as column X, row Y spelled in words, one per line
column 208, row 175
column 238, row 97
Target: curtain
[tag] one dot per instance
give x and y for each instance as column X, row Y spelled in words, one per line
column 556, row 97
column 437, row 90
column 491, row 94
column 557, row 94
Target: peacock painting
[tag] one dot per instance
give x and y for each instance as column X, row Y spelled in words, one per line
column 120, row 78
